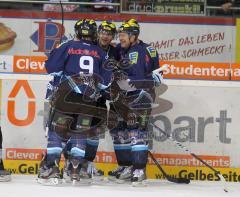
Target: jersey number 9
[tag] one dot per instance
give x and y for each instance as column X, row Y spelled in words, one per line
column 86, row 63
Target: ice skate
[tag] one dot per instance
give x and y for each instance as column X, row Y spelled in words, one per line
column 112, row 174
column 5, row 176
column 125, row 175
column 85, row 177
column 75, row 170
column 49, row 174
column 139, row 178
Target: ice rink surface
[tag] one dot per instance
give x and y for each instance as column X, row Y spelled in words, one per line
column 26, row 186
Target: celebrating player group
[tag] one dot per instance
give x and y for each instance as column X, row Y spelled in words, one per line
column 99, row 87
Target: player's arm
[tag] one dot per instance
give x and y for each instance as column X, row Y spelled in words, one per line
column 154, row 58
column 157, row 73
column 56, row 59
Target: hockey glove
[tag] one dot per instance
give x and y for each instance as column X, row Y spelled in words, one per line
column 103, row 90
column 101, row 87
column 157, row 78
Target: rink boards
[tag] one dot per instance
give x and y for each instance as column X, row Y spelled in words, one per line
column 193, row 173
column 205, row 119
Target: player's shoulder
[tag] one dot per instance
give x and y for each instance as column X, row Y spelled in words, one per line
column 88, row 45
column 97, row 49
column 150, row 49
column 61, row 48
column 65, row 44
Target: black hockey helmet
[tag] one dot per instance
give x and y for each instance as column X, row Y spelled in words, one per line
column 86, row 28
column 130, row 26
column 108, row 27
column 132, row 20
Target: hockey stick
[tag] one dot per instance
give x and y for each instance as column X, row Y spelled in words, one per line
column 169, row 136
column 161, row 69
column 62, row 18
column 168, row 177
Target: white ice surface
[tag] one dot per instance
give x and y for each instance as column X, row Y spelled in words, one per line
column 26, row 186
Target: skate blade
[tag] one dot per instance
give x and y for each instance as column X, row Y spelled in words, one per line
column 140, row 184
column 98, row 178
column 111, row 178
column 107, row 181
column 81, row 182
column 122, row 181
column 67, row 179
column 102, row 181
column 5, row 178
column 49, row 182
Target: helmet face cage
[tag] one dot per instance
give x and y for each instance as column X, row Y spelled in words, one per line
column 86, row 28
column 107, row 27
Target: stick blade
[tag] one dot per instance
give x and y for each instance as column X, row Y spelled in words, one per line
column 178, row 180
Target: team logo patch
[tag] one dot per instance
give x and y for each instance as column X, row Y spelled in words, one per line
column 133, row 57
column 152, row 51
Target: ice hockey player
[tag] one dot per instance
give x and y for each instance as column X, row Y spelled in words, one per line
column 130, row 141
column 106, row 33
column 4, row 174
column 78, row 56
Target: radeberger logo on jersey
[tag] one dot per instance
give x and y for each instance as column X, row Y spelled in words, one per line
column 29, row 64
column 72, row 51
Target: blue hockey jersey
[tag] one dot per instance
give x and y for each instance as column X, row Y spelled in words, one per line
column 74, row 57
column 143, row 60
column 111, row 53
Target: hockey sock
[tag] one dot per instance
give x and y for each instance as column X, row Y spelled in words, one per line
column 91, row 149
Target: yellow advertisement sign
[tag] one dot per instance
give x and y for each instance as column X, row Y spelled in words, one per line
column 238, row 41
column 192, row 173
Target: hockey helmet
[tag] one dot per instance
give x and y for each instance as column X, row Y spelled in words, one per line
column 108, row 27
column 132, row 20
column 130, row 26
column 86, row 28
